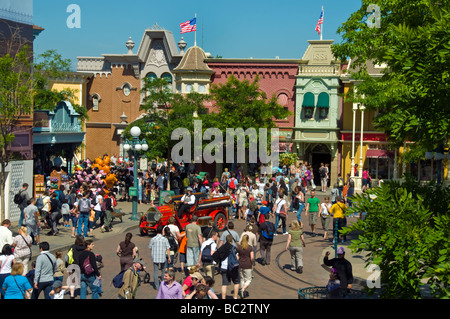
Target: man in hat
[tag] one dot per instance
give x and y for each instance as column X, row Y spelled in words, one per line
column 187, row 201
column 342, row 266
column 130, row 280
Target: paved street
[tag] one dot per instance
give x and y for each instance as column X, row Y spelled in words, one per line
column 275, row 281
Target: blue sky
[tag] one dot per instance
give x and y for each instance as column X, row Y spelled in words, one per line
column 231, row 29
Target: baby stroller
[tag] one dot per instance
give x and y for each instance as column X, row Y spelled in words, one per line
column 143, row 275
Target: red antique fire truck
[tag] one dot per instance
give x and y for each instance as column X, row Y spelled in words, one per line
column 215, row 208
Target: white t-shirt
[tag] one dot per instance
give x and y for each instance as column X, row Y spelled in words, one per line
column 98, row 206
column 213, row 244
column 6, row 263
column 279, row 204
column 325, row 209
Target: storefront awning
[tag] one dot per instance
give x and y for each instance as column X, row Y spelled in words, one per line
column 379, row 154
column 323, row 100
column 308, row 100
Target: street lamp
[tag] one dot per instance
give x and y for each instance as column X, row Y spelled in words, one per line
column 136, row 146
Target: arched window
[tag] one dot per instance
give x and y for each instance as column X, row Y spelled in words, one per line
column 323, row 105
column 308, row 105
column 151, row 76
column 167, row 77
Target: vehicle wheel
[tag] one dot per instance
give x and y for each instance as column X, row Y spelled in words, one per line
column 220, row 221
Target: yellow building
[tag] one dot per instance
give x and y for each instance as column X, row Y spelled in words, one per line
column 362, row 146
column 75, row 82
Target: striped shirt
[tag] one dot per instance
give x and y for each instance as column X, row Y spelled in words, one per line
column 159, row 245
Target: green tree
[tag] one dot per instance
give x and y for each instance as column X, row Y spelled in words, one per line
column 412, row 40
column 23, row 88
column 241, row 104
column 166, row 111
column 405, row 232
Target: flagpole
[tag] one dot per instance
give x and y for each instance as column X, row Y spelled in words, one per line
column 321, row 27
column 195, row 40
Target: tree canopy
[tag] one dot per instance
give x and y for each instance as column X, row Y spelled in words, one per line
column 412, row 41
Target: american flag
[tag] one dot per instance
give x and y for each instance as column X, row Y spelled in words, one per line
column 189, row 26
column 319, row 22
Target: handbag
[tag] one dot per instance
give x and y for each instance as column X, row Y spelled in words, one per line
column 31, row 252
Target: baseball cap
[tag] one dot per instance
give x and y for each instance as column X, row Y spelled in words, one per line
column 340, row 251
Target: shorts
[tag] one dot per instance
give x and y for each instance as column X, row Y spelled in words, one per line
column 325, row 222
column 312, row 217
column 229, row 276
column 243, row 202
column 182, row 258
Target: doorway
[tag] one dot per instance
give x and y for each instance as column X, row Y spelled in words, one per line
column 320, row 154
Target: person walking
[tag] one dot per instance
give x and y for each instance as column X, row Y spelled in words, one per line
column 44, row 270
column 246, row 258
column 22, row 247
column 160, row 250
column 84, row 208
column 6, row 236
column 266, row 233
column 194, row 241
column 208, row 248
column 313, row 209
column 280, row 210
column 127, row 251
column 24, row 197
column 131, row 280
column 89, row 271
column 337, row 211
column 32, row 223
column 294, row 245
column 325, row 216
column 170, row 288
column 17, row 286
column 300, row 199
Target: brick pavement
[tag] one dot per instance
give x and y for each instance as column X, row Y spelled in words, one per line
column 274, row 281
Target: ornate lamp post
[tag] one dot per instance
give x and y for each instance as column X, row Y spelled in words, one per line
column 136, row 146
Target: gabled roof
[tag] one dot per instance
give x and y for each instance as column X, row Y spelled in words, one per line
column 157, row 33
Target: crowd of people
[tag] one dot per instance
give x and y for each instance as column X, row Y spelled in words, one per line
column 262, row 202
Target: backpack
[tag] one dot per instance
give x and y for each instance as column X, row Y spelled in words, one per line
column 322, row 172
column 87, row 266
column 118, row 279
column 186, row 182
column 18, row 198
column 233, row 262
column 206, row 254
column 232, row 183
column 269, row 231
column 85, row 205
